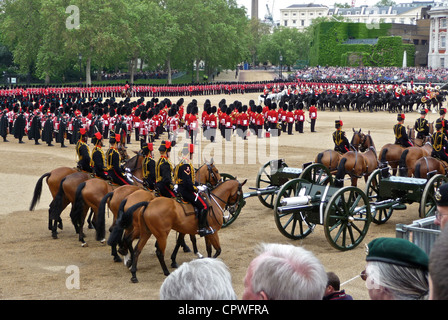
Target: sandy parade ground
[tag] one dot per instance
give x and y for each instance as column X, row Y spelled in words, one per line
column 36, row 267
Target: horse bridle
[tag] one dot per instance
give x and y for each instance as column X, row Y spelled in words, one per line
column 227, row 204
column 211, row 174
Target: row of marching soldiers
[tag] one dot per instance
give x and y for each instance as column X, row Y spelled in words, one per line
column 61, row 121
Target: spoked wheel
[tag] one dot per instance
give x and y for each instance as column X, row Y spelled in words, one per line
column 347, row 218
column 292, row 224
column 318, row 174
column 428, row 203
column 226, row 176
column 380, row 215
column 265, row 180
column 232, row 213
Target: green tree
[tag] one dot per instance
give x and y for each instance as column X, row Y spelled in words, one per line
column 290, row 43
column 22, row 36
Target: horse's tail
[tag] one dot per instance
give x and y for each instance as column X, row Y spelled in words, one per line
column 383, row 160
column 417, row 170
column 38, row 191
column 339, row 179
column 100, row 225
column 124, row 220
column 78, row 206
column 403, row 169
column 319, row 157
column 56, row 205
column 103, row 203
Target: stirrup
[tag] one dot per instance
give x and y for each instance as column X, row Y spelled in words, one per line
column 206, row 231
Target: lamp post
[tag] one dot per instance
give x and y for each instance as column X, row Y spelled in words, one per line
column 80, row 68
column 281, row 66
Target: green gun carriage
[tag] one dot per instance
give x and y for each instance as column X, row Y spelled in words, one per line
column 270, row 178
column 344, row 212
column 387, row 193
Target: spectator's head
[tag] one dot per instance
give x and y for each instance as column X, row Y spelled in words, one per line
column 199, row 279
column 396, row 269
column 438, row 268
column 284, row 272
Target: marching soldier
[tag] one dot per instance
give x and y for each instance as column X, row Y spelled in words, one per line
column 98, row 158
column 439, row 142
column 149, row 166
column 313, row 116
column 341, row 143
column 184, row 178
column 164, row 171
column 299, row 117
column 113, row 157
column 421, row 125
column 401, row 137
column 83, row 152
column 47, row 132
column 4, row 125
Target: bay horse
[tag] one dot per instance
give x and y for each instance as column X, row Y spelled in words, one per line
column 358, row 164
column 390, row 154
column 425, row 165
column 90, row 193
column 162, row 215
column 53, row 179
column 330, row 158
column 117, row 201
column 410, row 156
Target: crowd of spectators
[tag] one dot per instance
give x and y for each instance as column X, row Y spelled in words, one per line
column 139, row 75
column 416, row 74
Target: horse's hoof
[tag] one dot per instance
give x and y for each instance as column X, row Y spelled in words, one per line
column 134, row 280
column 54, row 236
column 174, row 265
column 200, row 256
column 187, row 249
column 103, row 241
column 117, row 259
column 84, row 245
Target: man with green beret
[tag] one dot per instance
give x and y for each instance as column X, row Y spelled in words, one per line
column 441, row 197
column 397, row 269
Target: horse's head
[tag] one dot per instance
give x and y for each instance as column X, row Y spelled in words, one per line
column 236, row 192
column 357, row 139
column 208, row 174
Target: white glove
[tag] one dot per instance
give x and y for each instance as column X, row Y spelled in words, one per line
column 176, row 187
column 202, row 188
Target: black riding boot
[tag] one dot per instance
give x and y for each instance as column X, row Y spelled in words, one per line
column 204, row 229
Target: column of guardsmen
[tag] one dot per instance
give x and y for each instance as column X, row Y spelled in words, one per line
column 60, row 121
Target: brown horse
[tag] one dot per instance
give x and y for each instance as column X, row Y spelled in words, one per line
column 390, row 155
column 410, row 156
column 415, row 141
column 330, row 158
column 162, row 215
column 425, row 165
column 53, row 180
column 358, row 164
column 207, row 174
column 90, row 193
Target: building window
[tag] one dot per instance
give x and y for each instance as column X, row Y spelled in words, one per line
column 442, row 42
column 286, row 23
column 294, row 22
column 302, row 23
column 442, row 62
column 442, row 23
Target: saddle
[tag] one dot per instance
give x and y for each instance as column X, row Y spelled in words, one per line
column 91, row 174
column 188, row 208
